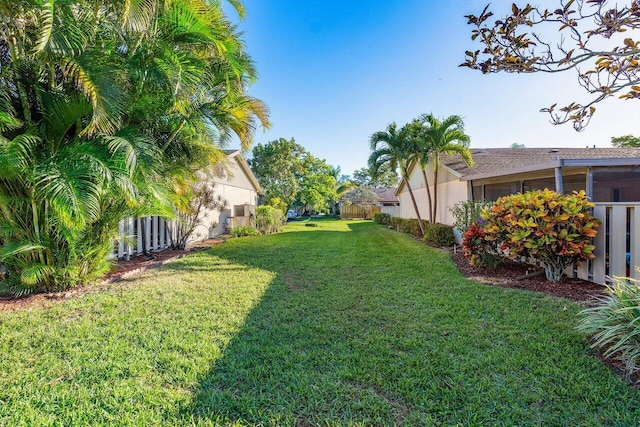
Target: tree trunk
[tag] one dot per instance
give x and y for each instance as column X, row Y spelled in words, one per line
column 415, row 205
column 434, row 216
column 426, row 184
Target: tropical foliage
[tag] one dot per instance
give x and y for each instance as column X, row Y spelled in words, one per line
column 614, row 323
column 543, row 228
column 394, row 149
column 443, row 137
column 107, row 109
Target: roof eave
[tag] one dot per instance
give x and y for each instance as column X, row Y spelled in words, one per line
column 247, row 171
column 625, row 161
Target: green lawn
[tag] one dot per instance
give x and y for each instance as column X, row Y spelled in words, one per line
column 347, row 323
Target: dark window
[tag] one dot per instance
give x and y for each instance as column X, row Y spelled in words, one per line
column 620, row 184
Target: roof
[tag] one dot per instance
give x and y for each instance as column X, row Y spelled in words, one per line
column 386, row 195
column 490, row 162
column 237, row 155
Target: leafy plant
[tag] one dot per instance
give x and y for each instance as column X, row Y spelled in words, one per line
column 439, row 234
column 242, row 231
column 480, row 252
column 614, row 323
column 543, row 228
column 188, row 217
column 269, row 219
column 468, row 212
column 382, row 218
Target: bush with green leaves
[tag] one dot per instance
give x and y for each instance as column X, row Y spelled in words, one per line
column 396, row 223
column 439, row 234
column 382, row 218
column 467, row 212
column 269, row 219
column 480, row 252
column 543, row 228
column 242, row 231
column 614, row 323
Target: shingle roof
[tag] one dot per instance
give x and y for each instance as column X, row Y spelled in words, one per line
column 386, row 195
column 502, row 160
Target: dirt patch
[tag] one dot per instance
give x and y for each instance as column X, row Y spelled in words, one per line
column 121, row 270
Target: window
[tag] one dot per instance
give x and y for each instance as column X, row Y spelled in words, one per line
column 493, row 191
column 621, row 184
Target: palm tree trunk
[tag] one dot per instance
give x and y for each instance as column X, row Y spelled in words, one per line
column 426, row 184
column 435, row 191
column 415, row 205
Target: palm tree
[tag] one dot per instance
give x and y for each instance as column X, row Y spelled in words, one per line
column 394, row 149
column 444, row 137
column 105, row 107
column 421, row 150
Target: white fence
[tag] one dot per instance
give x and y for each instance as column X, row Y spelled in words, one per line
column 617, row 244
column 154, row 229
column 391, row 210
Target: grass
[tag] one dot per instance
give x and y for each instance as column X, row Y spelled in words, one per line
column 347, row 323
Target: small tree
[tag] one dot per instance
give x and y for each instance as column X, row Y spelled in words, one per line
column 361, row 196
column 543, row 228
column 188, row 217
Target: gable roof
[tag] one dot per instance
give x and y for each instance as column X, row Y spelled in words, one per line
column 386, row 195
column 490, row 162
column 244, row 166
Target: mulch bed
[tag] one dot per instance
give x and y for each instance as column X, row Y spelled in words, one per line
column 510, row 275
column 122, row 269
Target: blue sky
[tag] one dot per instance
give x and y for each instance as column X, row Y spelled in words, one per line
column 334, row 71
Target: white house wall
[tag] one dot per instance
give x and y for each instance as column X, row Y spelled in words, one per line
column 236, row 189
column 450, row 191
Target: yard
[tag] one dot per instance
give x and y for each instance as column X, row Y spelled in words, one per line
column 344, row 323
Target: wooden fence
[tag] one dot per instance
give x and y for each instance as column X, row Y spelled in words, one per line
column 358, row 212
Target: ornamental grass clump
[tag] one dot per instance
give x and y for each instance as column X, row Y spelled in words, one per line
column 543, row 228
column 614, row 323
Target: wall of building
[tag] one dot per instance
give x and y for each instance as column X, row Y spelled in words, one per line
column 235, row 189
column 450, row 191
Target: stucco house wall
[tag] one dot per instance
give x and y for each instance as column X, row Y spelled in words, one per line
column 451, row 190
column 235, row 184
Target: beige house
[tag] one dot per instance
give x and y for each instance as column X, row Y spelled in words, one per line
column 237, row 187
column 606, row 174
column 610, row 177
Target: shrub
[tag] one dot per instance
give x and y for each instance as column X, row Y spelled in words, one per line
column 467, row 212
column 396, row 223
column 241, row 231
column 382, row 218
column 615, row 323
column 411, row 226
column 480, row 252
column 543, row 228
column 439, row 234
column 269, row 219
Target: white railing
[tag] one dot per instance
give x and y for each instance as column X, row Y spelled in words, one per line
column 157, row 235
column 617, row 244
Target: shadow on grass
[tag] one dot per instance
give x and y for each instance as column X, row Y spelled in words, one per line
column 296, row 360
column 353, row 330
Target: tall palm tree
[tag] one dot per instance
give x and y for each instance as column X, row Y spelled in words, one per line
column 421, row 150
column 444, row 137
column 394, row 149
